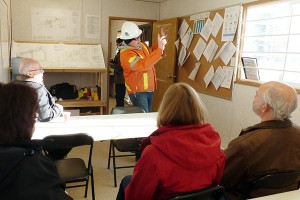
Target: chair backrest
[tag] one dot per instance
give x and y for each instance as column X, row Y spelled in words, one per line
column 212, row 193
column 276, row 180
column 67, row 141
column 54, row 142
column 127, row 110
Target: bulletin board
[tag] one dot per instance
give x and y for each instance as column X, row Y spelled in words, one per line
column 188, row 66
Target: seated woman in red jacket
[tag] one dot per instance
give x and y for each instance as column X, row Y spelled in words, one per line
column 182, row 155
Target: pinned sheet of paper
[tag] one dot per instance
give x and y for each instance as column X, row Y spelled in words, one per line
column 187, row 39
column 193, row 74
column 231, row 20
column 199, row 48
column 218, row 21
column 183, row 28
column 181, row 56
column 209, row 75
column 177, row 44
column 210, row 50
column 226, row 52
column 218, row 77
column 200, row 16
column 207, row 29
column 227, row 81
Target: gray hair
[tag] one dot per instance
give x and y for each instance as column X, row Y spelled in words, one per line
column 25, row 66
column 282, row 105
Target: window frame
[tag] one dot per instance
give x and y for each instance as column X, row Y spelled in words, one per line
column 241, row 33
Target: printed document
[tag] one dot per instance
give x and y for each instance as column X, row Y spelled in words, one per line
column 193, row 74
column 207, row 29
column 199, row 48
column 218, row 77
column 209, row 75
column 210, row 50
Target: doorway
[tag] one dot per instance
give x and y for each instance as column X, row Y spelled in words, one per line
column 115, row 25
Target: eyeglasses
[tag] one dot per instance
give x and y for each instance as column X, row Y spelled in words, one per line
column 35, row 70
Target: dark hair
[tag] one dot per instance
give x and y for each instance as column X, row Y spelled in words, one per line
column 128, row 41
column 18, row 108
column 119, row 41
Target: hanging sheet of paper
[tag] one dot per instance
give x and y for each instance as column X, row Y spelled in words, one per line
column 231, row 20
column 209, row 75
column 207, row 29
column 193, row 74
column 218, row 77
column 199, row 48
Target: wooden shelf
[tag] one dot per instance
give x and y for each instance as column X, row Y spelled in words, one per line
column 81, row 103
column 64, row 69
column 87, row 70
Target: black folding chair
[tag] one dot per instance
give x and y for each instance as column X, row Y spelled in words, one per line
column 123, row 145
column 72, row 170
column 213, row 193
column 271, row 181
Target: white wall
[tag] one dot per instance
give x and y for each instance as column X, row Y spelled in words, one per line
column 228, row 117
column 21, row 25
column 124, row 8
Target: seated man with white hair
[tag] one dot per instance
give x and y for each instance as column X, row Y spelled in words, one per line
column 271, row 146
column 31, row 73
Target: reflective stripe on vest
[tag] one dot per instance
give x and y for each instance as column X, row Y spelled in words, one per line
column 145, row 75
column 145, row 47
column 133, row 60
column 127, row 87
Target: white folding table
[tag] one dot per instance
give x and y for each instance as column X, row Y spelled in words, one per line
column 100, row 127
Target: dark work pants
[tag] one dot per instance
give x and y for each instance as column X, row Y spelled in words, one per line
column 125, row 181
column 120, row 94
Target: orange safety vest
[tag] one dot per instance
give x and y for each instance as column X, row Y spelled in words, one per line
column 138, row 66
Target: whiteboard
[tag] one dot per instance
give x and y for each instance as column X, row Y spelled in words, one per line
column 61, row 55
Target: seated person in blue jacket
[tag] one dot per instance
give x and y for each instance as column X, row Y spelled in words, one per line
column 182, row 155
column 271, row 146
column 26, row 173
column 31, row 73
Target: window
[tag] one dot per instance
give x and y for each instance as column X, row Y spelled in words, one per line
column 271, row 33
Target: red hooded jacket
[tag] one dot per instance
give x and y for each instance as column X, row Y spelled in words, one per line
column 179, row 159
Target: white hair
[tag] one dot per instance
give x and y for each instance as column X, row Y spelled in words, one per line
column 281, row 104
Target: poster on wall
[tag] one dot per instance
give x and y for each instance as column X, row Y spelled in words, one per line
column 92, row 27
column 55, row 24
column 61, row 55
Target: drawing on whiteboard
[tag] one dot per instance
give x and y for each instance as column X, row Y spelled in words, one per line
column 55, row 24
column 58, row 55
column 37, row 53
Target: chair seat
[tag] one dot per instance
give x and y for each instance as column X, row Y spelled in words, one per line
column 131, row 145
column 126, row 145
column 212, row 193
column 72, row 168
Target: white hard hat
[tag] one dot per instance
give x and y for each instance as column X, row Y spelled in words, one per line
column 129, row 31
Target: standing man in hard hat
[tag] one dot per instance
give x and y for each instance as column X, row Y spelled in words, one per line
column 138, row 60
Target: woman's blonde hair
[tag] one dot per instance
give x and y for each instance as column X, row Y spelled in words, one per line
column 181, row 105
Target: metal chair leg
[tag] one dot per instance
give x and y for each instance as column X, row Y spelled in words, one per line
column 86, row 187
column 114, row 165
column 92, row 184
column 109, row 154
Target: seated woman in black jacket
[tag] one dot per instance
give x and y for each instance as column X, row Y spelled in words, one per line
column 25, row 172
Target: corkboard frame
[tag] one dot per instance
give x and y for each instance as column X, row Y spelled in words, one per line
column 198, row 84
